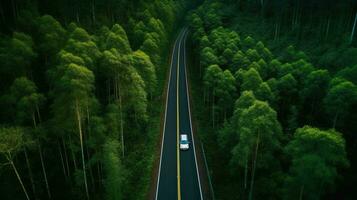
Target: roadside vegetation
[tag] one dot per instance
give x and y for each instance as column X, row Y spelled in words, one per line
column 277, row 122
column 80, row 96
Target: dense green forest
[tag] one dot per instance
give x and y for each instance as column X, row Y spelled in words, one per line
column 81, row 95
column 273, row 84
column 277, row 115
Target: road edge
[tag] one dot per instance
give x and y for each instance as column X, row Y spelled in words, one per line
column 164, row 98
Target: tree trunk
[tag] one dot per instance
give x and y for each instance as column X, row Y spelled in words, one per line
column 40, row 152
column 38, row 113
column 99, row 175
column 82, row 150
column 335, row 120
column 30, row 173
column 9, row 158
column 301, row 192
column 328, row 27
column 204, row 96
column 93, row 11
column 73, row 154
column 121, row 126
column 62, row 161
column 276, row 31
column 44, row 170
column 14, row 10
column 254, row 168
column 65, row 156
column 353, row 29
column 200, row 66
column 245, row 174
column 87, row 151
column 77, row 17
column 213, row 109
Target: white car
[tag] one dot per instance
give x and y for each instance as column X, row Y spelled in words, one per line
column 184, row 143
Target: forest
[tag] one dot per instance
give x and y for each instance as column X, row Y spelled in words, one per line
column 81, row 95
column 275, row 97
column 82, row 90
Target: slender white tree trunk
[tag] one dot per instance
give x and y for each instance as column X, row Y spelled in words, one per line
column 335, row 120
column 65, row 156
column 254, row 168
column 93, row 11
column 353, row 29
column 62, row 160
column 30, row 173
column 301, row 192
column 213, row 109
column 44, row 170
column 328, row 27
column 121, row 126
column 82, row 150
column 245, row 174
column 9, row 158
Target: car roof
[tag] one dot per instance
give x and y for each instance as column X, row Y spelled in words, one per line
column 183, row 137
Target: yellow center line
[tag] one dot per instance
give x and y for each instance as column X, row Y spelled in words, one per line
column 178, row 123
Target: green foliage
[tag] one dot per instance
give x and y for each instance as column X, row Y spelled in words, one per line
column 268, row 65
column 16, row 55
column 51, row 35
column 251, row 80
column 339, row 99
column 146, row 69
column 316, row 155
column 27, row 100
column 101, row 88
column 114, row 171
column 11, row 140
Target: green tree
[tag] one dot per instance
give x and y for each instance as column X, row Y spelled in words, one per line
column 251, row 80
column 228, row 134
column 12, row 140
column 315, row 89
column 212, row 77
column 316, row 156
column 51, row 36
column 339, row 99
column 264, row 93
column 74, row 98
column 240, row 61
column 142, row 62
column 259, row 138
column 16, row 56
column 151, row 48
column 126, row 87
column 225, row 92
column 28, row 101
column 118, row 40
column 80, row 44
column 252, row 55
column 114, row 170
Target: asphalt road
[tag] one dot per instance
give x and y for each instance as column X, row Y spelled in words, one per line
column 178, row 176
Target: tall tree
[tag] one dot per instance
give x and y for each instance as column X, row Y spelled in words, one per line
column 212, row 77
column 316, row 156
column 74, row 96
column 51, row 36
column 259, row 138
column 142, row 62
column 11, row 142
column 340, row 97
column 114, row 170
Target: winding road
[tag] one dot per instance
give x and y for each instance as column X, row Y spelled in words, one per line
column 178, row 176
